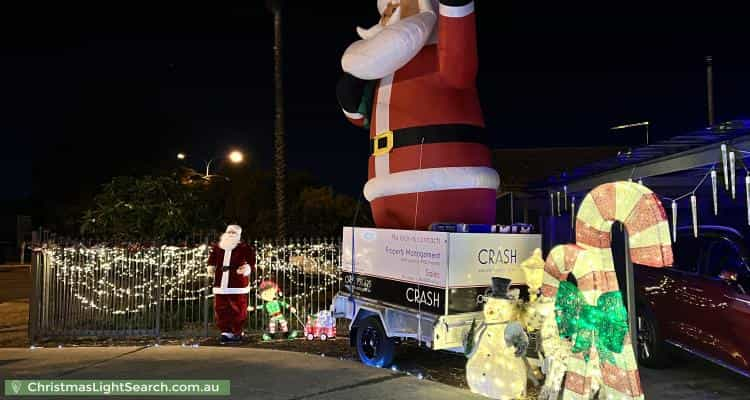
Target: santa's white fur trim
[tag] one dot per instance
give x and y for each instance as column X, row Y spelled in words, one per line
column 234, row 228
column 354, row 116
column 457, row 11
column 430, row 180
column 231, row 290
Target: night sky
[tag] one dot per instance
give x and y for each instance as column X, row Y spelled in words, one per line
column 91, row 92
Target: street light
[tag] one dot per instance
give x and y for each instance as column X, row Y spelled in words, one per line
column 635, row 125
column 235, row 157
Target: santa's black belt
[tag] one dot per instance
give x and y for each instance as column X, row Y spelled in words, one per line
column 384, row 142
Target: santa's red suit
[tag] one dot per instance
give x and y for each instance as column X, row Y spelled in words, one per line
column 230, row 287
column 429, row 162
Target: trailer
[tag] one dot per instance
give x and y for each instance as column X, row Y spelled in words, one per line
column 425, row 286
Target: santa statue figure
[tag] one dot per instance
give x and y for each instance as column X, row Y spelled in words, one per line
column 231, row 262
column 410, row 80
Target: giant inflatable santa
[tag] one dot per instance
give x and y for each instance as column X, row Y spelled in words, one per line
column 231, row 262
column 411, row 81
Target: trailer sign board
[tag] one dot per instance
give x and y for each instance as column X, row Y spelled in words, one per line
column 476, row 258
column 436, row 272
column 407, row 268
column 411, row 256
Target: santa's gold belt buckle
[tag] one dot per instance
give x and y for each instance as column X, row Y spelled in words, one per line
column 377, row 150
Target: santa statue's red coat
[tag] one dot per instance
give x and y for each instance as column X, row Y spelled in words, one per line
column 230, row 288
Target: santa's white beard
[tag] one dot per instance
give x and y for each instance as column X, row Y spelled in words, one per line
column 385, row 49
column 228, row 241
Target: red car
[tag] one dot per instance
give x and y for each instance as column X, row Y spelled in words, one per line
column 701, row 304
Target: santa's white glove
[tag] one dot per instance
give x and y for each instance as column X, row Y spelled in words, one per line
column 515, row 336
column 244, row 270
column 210, row 269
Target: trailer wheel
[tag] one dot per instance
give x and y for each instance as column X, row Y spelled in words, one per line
column 373, row 346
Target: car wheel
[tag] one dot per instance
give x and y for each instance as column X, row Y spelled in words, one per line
column 651, row 349
column 373, row 346
column 310, row 336
column 323, row 337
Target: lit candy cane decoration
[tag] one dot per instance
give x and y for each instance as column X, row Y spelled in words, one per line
column 724, row 162
column 674, row 219
column 732, row 165
column 694, row 210
column 591, row 262
column 558, row 204
column 714, row 192
column 565, row 200
column 747, row 196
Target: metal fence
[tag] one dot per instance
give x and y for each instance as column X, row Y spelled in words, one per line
column 120, row 292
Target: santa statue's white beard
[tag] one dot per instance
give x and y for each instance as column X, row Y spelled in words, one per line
column 228, row 241
column 385, row 49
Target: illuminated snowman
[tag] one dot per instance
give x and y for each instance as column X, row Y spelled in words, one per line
column 495, row 368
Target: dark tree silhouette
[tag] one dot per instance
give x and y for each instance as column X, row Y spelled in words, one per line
column 276, row 6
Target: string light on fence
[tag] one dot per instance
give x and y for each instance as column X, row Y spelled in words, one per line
column 127, row 282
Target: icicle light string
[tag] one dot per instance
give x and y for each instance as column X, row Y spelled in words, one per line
column 692, row 192
column 729, row 164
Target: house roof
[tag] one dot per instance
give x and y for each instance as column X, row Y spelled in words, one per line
column 520, row 167
column 679, row 153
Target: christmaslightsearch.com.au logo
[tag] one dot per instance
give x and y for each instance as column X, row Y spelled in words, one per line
column 69, row 387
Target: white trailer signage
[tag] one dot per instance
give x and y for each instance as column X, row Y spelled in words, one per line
column 436, row 272
column 419, row 257
column 476, row 258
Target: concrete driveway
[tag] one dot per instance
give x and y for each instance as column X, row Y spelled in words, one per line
column 254, row 373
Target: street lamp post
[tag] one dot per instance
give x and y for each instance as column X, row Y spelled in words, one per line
column 235, row 157
column 635, row 125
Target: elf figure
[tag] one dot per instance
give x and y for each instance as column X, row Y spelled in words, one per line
column 495, row 368
column 269, row 292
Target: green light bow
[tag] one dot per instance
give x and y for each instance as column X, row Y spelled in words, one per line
column 604, row 325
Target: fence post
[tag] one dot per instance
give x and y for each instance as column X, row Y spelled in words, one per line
column 158, row 293
column 207, row 287
column 35, row 294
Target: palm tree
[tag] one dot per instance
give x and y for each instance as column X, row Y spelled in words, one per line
column 276, row 7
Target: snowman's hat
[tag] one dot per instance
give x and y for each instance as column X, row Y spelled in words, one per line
column 500, row 287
